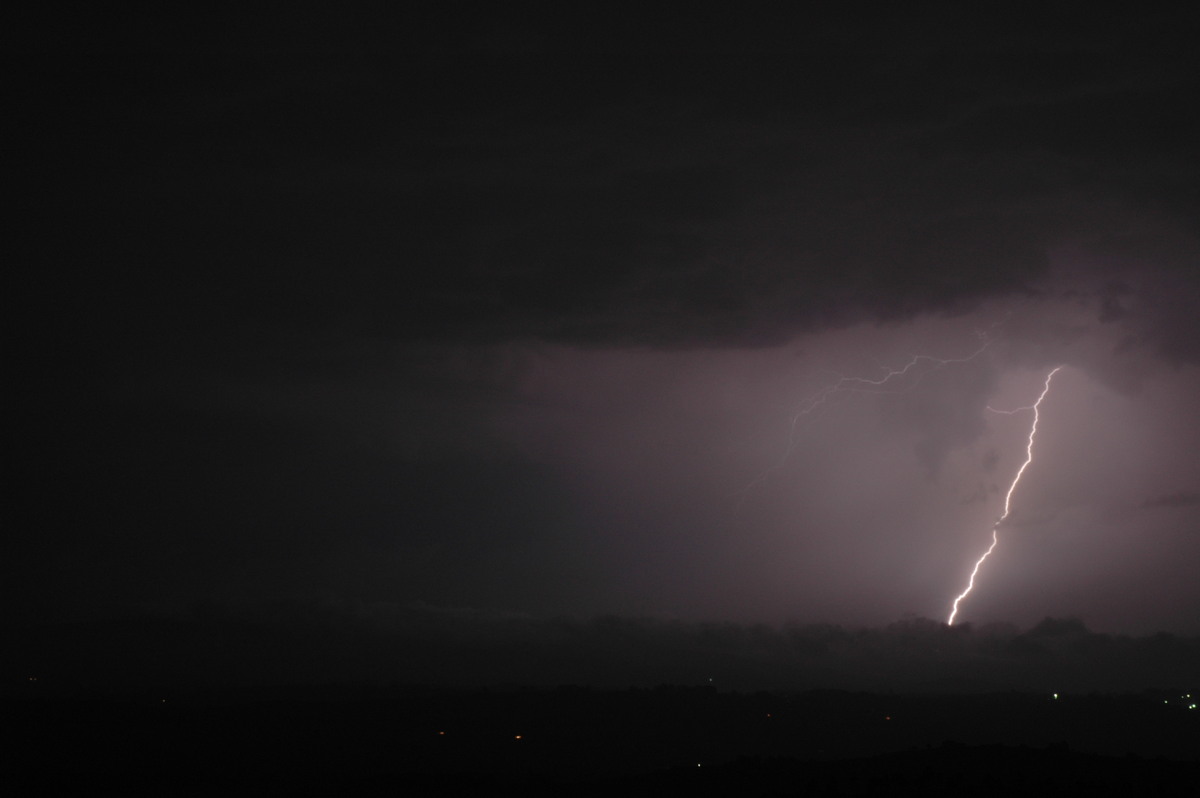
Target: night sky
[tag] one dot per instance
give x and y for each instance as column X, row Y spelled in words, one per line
column 513, row 319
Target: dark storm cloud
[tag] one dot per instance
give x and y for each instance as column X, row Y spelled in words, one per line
column 708, row 201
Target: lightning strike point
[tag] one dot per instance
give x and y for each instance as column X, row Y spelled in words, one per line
column 1011, row 488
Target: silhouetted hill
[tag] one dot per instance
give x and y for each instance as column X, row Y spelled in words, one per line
column 294, row 644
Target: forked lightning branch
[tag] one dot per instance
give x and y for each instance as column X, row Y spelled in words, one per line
column 884, row 384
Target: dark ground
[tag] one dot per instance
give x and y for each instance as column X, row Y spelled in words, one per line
column 575, row 740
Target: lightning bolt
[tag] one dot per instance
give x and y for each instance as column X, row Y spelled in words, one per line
column 1011, row 488
column 859, row 385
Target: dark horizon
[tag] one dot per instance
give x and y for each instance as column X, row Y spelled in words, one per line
column 222, row 652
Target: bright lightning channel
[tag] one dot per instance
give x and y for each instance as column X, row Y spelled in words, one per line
column 1011, row 488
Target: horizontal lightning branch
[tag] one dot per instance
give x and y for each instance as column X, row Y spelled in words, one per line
column 861, row 385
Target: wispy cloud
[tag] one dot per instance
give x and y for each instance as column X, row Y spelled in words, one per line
column 1184, row 498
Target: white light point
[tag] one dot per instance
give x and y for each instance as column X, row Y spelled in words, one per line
column 1011, row 488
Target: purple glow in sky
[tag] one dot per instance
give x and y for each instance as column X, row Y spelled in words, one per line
column 883, row 497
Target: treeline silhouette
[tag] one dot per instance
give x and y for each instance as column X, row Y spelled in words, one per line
column 274, row 644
